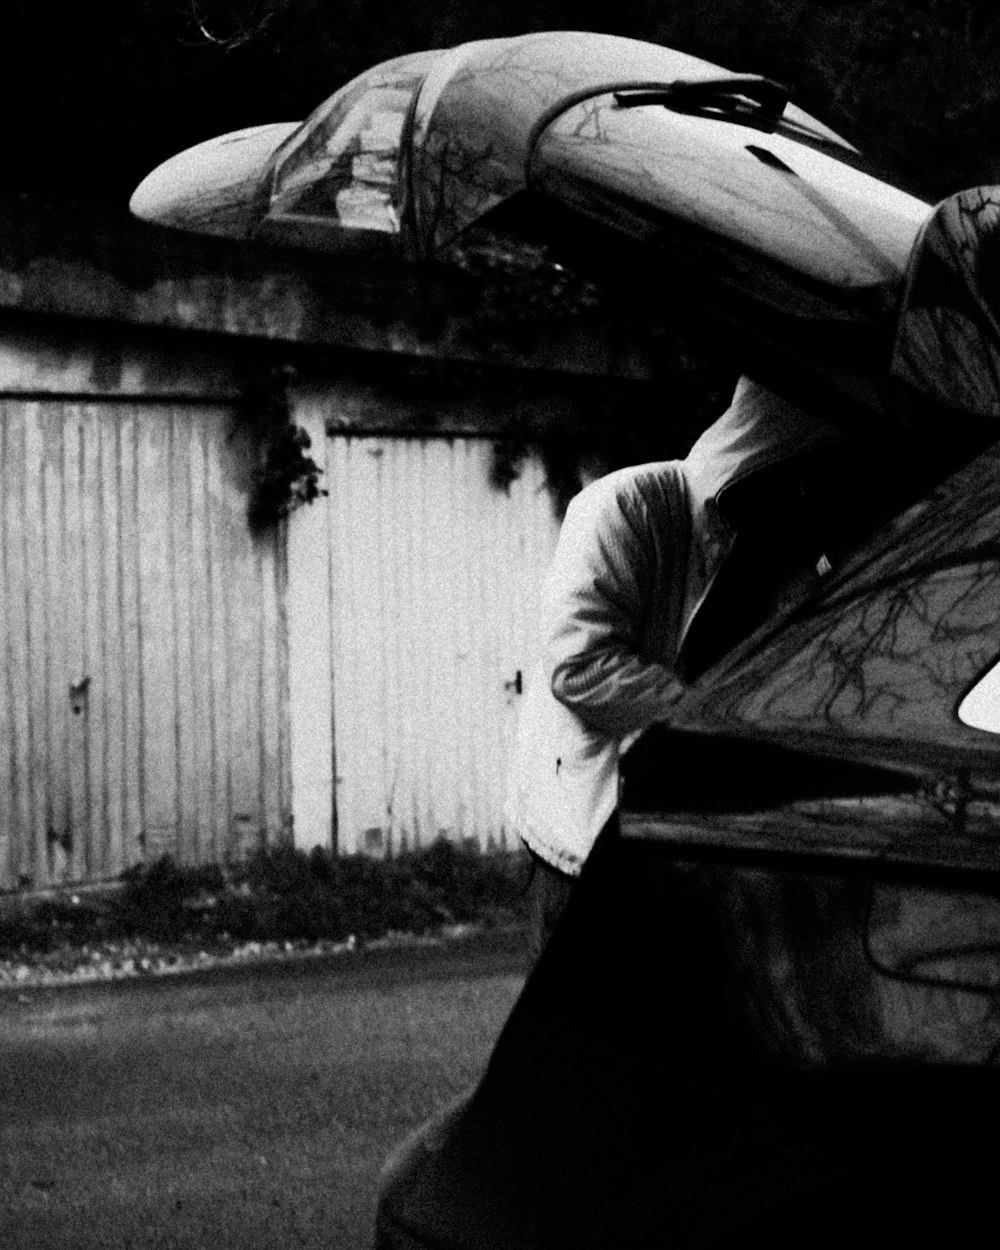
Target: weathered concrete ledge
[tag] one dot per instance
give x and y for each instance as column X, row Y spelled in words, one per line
column 93, row 261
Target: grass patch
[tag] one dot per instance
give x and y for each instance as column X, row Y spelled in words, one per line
column 280, row 895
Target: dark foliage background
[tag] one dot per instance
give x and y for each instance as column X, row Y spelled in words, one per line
column 97, row 94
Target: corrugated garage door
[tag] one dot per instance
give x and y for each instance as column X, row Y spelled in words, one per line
column 434, row 584
column 142, row 697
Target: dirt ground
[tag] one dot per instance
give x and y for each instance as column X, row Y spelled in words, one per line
column 237, row 1109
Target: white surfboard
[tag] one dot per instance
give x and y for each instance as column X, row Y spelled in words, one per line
column 211, row 188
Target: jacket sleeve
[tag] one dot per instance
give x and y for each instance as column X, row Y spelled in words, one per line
column 596, row 599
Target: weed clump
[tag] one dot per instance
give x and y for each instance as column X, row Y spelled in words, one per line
column 280, row 894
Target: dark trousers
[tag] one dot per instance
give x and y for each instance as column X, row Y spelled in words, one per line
column 548, row 891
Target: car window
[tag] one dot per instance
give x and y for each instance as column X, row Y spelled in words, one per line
column 344, row 165
column 877, row 664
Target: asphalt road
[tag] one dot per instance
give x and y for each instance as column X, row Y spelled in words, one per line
column 234, row 1109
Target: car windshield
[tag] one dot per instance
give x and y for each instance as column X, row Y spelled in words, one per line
column 343, row 167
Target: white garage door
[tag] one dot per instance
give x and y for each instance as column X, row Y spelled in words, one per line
column 142, row 647
column 434, row 582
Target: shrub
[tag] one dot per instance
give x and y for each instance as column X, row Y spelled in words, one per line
column 283, row 894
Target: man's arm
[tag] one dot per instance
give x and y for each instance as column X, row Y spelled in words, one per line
column 597, row 599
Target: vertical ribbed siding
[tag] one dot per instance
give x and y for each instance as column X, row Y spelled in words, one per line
column 142, row 705
column 435, row 580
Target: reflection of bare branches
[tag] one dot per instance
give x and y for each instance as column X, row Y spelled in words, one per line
column 456, row 186
column 984, row 555
column 898, row 637
column 911, row 637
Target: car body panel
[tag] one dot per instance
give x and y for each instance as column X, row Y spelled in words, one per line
column 698, row 1045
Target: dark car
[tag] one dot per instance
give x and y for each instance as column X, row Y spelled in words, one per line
column 770, row 1010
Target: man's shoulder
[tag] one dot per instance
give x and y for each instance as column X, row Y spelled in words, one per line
column 652, row 484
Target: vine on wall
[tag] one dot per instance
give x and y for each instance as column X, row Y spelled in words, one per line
column 285, row 476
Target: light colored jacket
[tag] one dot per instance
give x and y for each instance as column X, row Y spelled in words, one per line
column 636, row 554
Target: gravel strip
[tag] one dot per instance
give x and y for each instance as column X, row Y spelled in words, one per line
column 114, row 961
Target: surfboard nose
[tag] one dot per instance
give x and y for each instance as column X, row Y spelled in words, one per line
column 211, row 188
